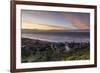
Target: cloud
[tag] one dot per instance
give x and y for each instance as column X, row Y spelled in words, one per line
column 77, row 22
column 26, row 24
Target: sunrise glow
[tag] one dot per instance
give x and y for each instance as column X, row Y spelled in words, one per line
column 31, row 25
column 47, row 20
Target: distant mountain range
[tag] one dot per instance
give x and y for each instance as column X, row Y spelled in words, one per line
column 53, row 31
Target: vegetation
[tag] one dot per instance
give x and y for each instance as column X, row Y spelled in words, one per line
column 40, row 51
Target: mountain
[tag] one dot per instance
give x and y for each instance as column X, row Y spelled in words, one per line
column 52, row 31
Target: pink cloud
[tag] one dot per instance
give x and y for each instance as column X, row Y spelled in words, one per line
column 76, row 21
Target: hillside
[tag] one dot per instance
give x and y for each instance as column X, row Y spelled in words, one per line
column 34, row 50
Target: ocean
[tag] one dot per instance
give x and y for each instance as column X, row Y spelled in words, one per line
column 58, row 36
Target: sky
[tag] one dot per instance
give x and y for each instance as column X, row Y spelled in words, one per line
column 54, row 20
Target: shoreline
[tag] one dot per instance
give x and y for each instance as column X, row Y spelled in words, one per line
column 56, row 41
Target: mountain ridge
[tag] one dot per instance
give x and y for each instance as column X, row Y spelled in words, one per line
column 36, row 30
